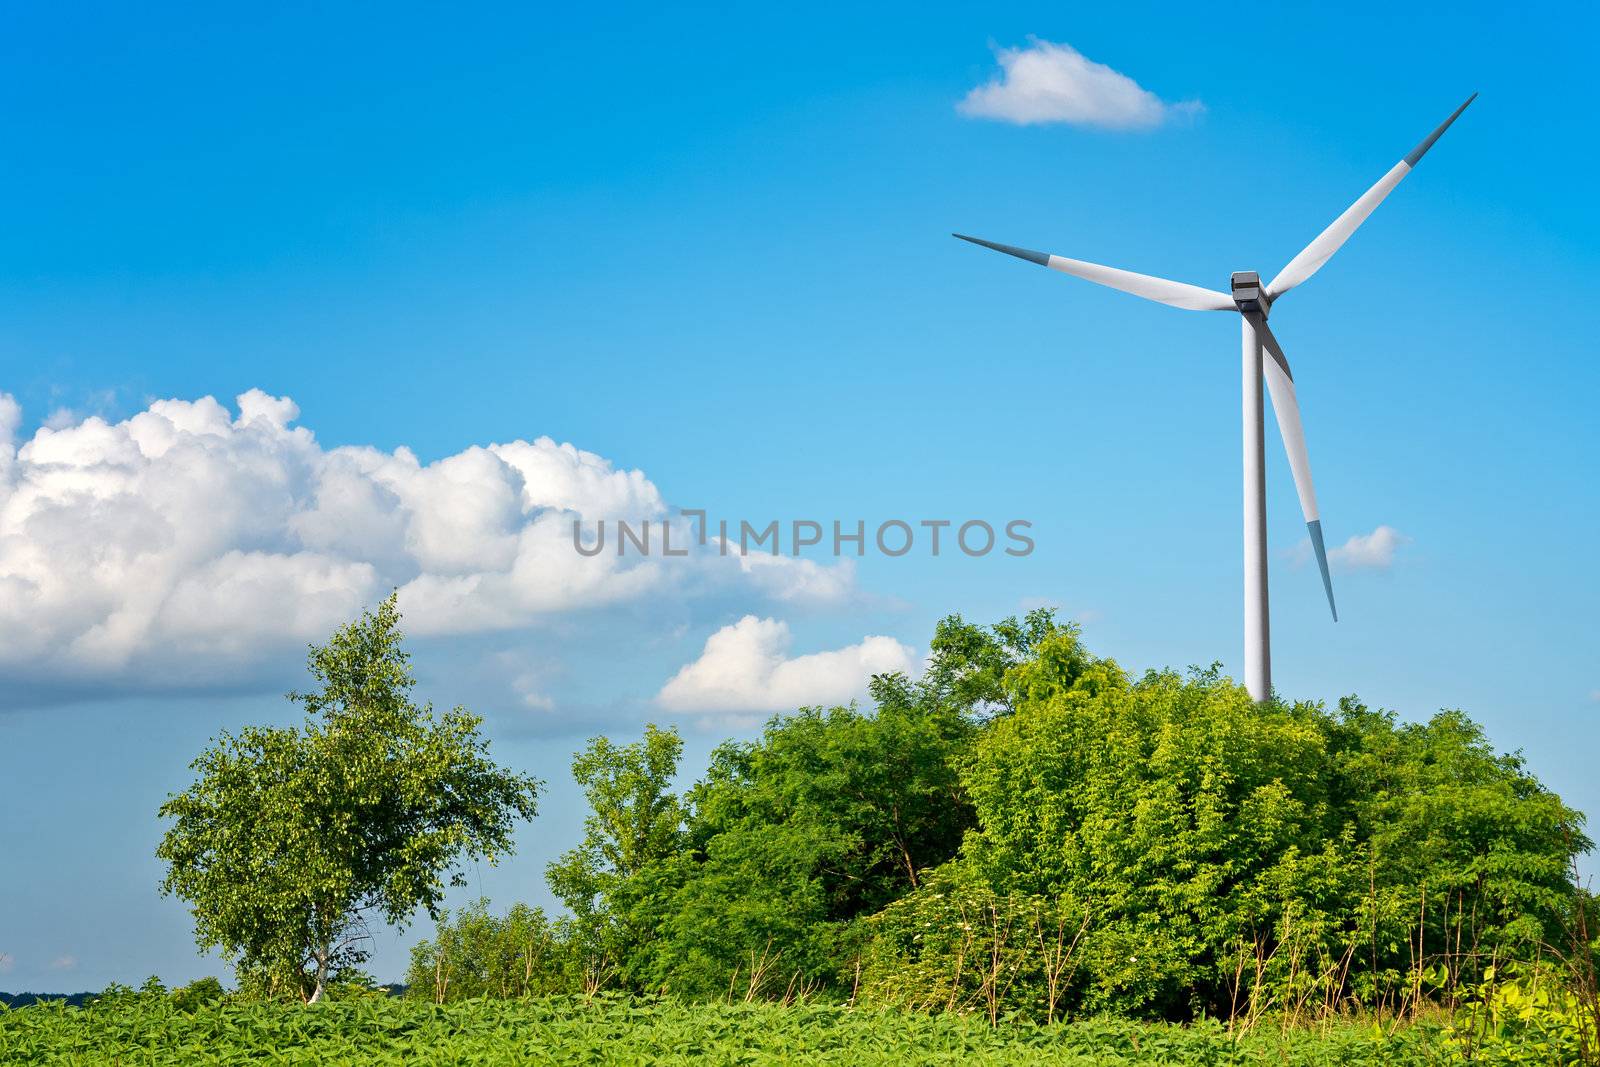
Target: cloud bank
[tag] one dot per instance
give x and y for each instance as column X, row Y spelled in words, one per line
column 746, row 668
column 184, row 546
column 1048, row 82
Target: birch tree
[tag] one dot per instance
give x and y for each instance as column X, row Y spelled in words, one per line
column 293, row 839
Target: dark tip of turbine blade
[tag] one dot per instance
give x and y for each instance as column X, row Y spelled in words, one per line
column 1040, row 258
column 1427, row 142
column 1315, row 528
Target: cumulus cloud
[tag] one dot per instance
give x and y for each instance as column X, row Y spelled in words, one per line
column 1048, row 82
column 1373, row 551
column 185, row 544
column 746, row 667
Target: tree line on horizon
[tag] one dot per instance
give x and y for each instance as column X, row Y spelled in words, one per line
column 1025, row 831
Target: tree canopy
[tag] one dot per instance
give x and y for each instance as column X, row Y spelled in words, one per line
column 1028, row 828
column 291, row 838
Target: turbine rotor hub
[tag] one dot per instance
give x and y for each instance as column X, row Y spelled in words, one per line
column 1249, row 295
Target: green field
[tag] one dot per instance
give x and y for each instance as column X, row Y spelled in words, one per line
column 621, row 1031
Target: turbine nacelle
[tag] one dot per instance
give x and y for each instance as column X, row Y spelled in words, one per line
column 1249, row 295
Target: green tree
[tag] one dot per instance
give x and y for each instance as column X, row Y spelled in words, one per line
column 786, row 841
column 1176, row 811
column 1468, row 856
column 635, row 820
column 1226, row 856
column 829, row 816
column 969, row 666
column 291, row 839
column 877, row 793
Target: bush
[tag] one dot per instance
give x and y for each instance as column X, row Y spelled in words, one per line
column 477, row 954
column 1524, row 1015
column 1226, row 858
column 198, row 994
column 957, row 946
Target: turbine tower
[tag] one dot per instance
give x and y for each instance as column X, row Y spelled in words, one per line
column 1253, row 302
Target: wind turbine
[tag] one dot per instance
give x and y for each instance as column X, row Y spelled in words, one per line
column 1253, row 302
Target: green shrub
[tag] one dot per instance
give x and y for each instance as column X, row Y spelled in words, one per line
column 1225, row 858
column 198, row 994
column 476, row 954
column 1523, row 1015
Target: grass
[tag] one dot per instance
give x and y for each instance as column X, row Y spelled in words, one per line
column 621, row 1031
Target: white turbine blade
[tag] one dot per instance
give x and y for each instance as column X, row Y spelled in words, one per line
column 1280, row 383
column 1315, row 254
column 1162, row 291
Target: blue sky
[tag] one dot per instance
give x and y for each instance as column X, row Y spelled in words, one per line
column 712, row 248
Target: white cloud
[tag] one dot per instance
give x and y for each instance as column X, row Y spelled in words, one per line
column 185, row 545
column 746, row 668
column 796, row 580
column 1373, row 551
column 64, row 963
column 1048, row 82
column 8, row 962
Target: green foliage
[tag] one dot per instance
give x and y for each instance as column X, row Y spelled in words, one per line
column 1464, row 845
column 955, row 945
column 968, row 664
column 1235, row 859
column 476, row 954
column 1022, row 836
column 635, row 822
column 623, row 1031
column 198, row 994
column 634, row 816
column 1025, row 830
column 788, row 840
column 116, row 994
column 1523, row 1015
column 291, row 838
column 1178, row 813
column 829, row 816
